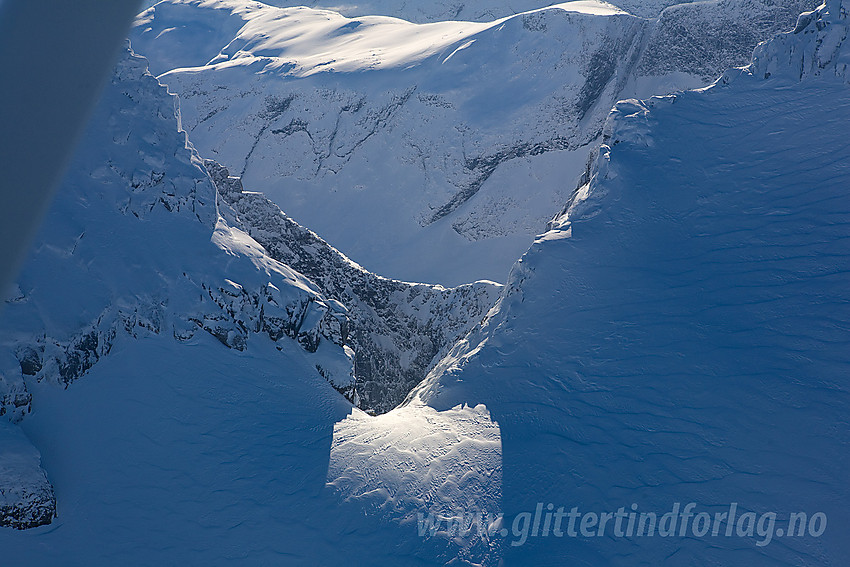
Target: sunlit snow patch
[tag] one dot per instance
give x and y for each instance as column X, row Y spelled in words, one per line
column 416, row 461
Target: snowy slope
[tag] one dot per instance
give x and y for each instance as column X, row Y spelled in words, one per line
column 468, row 10
column 680, row 335
column 186, row 453
column 414, row 461
column 454, row 142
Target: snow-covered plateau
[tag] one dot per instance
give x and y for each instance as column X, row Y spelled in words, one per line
column 200, row 363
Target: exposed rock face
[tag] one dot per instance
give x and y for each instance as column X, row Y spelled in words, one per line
column 398, row 329
column 706, row 38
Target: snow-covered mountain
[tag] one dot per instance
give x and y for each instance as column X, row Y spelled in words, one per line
column 26, row 496
column 169, row 382
column 680, row 334
column 454, row 142
column 146, row 239
column 173, row 354
column 134, row 246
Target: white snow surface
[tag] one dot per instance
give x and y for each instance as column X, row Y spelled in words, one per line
column 194, row 453
column 304, row 41
column 415, row 461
